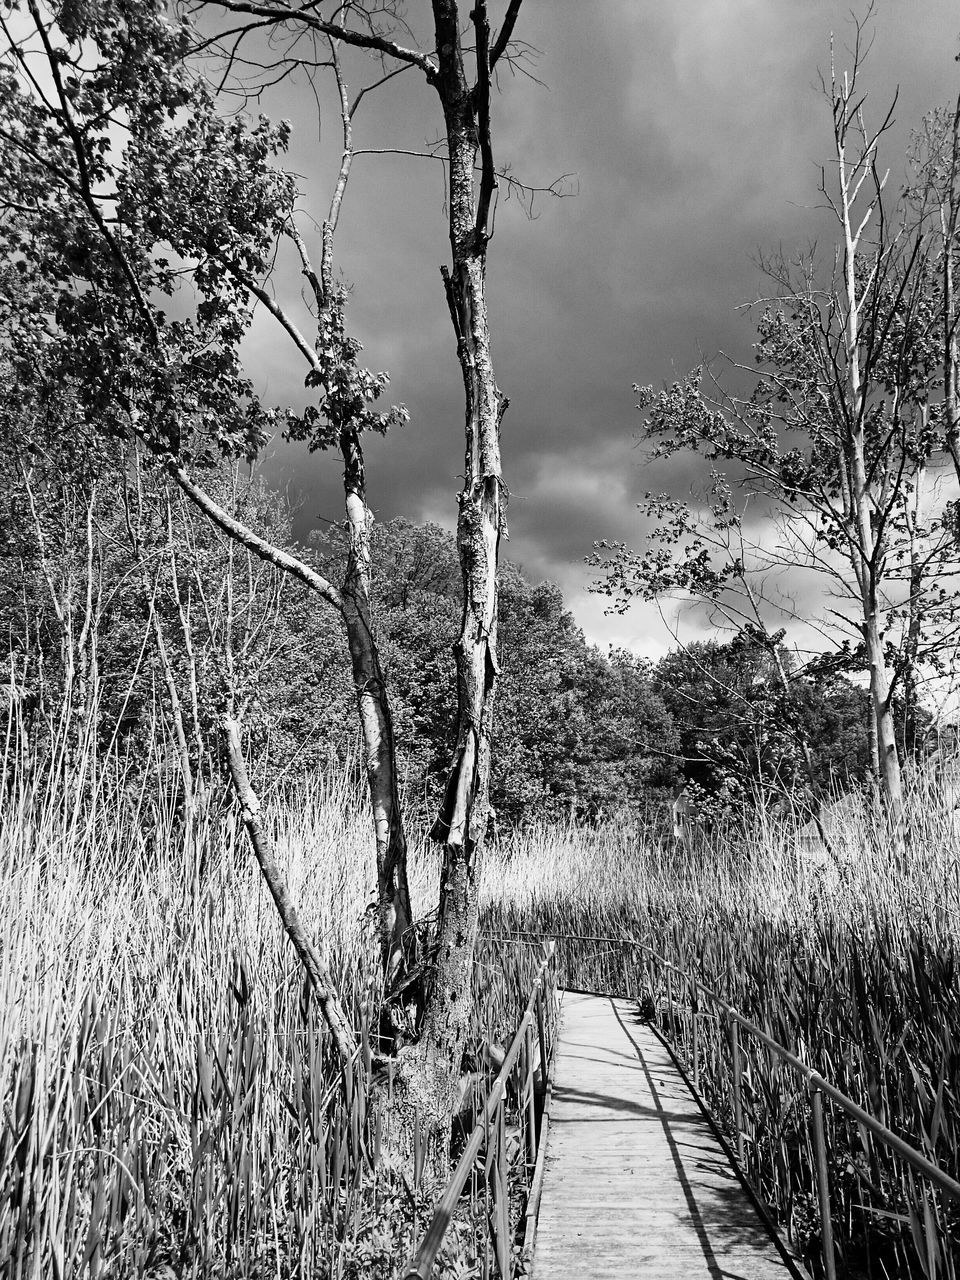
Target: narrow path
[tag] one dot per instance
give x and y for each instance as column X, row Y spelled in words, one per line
column 636, row 1183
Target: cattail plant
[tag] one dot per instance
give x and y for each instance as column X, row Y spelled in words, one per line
column 173, row 1104
column 850, row 961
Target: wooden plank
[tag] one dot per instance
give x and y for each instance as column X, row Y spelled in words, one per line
column 636, row 1183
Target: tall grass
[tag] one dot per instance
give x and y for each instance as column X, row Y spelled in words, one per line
column 172, row 1104
column 852, row 965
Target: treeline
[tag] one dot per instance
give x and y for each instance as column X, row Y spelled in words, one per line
column 583, row 734
column 133, row 624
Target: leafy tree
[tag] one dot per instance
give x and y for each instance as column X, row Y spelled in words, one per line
column 116, row 586
column 741, row 734
column 832, row 446
column 575, row 727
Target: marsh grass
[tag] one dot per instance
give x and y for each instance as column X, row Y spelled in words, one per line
column 171, row 1103
column 172, row 1106
column 852, row 965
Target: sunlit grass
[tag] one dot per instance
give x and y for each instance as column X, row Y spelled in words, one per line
column 853, row 963
column 172, row 1104
column 174, row 1107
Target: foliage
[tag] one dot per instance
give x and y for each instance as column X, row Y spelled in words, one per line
column 741, row 733
column 575, row 728
column 140, row 224
column 829, row 443
column 581, row 734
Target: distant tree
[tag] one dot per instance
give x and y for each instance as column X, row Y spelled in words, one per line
column 832, row 445
column 741, row 734
column 934, row 195
column 114, row 586
column 575, row 726
column 418, row 613
column 579, row 733
column 52, row 556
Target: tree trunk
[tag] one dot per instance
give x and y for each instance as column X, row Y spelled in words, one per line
column 397, row 940
column 432, row 1071
column 149, row 593
column 911, row 645
column 873, row 749
column 176, row 706
column 859, row 492
column 186, row 632
column 949, row 216
column 881, row 680
column 353, row 605
column 880, row 700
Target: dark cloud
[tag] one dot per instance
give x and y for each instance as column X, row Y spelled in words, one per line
column 694, row 131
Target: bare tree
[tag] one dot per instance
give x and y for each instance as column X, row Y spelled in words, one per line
column 936, row 206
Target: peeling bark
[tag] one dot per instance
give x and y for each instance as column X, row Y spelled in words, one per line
column 433, row 1069
column 397, row 940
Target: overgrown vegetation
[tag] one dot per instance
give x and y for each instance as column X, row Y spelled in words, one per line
column 173, row 1102
column 123, row 612
column 851, row 966
column 174, row 1106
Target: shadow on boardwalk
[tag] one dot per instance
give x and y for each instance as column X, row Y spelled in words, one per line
column 637, row 1184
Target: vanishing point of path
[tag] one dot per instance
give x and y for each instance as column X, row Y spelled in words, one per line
column 636, row 1183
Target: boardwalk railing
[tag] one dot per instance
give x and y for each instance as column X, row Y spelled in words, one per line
column 504, row 1152
column 699, row 1022
column 740, row 1071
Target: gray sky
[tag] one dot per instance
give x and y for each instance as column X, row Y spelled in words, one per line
column 694, row 130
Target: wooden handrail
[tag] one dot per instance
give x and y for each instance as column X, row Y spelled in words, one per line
column 421, row 1265
column 815, row 1081
column 817, row 1086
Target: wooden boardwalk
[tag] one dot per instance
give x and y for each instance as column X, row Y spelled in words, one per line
column 636, row 1183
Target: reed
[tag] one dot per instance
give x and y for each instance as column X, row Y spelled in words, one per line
column 173, row 1105
column 852, row 965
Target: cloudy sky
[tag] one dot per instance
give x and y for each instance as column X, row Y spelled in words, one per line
column 693, row 132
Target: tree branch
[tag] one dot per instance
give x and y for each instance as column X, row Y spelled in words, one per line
column 253, row 542
column 506, row 31
column 317, row 972
column 359, row 39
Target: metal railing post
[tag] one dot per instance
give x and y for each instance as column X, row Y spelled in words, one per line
column 694, row 1035
column 823, row 1184
column 542, row 1039
column 737, row 1084
column 628, row 985
column 488, row 1135
column 501, row 1196
column 529, row 1086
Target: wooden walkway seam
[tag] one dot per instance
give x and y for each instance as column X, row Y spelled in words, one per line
column 637, row 1183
